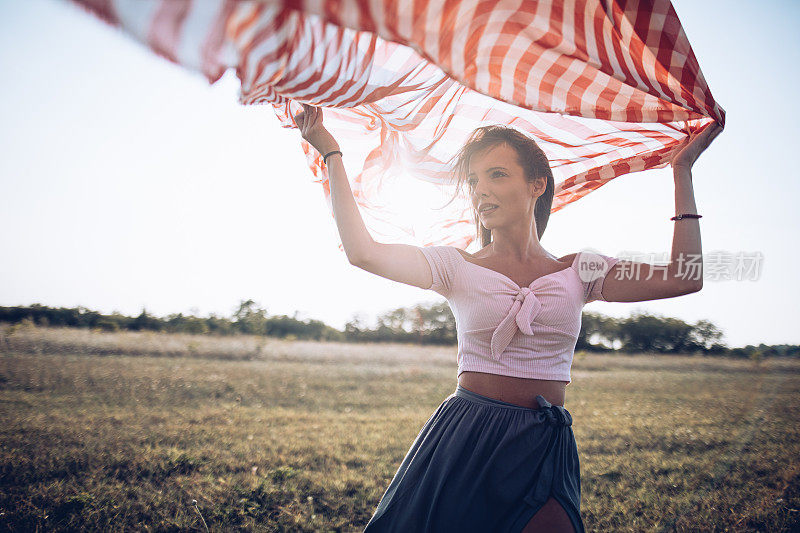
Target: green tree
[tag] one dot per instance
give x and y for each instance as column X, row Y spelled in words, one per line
column 251, row 319
column 146, row 322
column 707, row 335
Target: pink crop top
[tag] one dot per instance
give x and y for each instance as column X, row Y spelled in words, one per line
column 505, row 329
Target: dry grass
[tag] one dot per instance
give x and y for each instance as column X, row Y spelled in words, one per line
column 121, row 431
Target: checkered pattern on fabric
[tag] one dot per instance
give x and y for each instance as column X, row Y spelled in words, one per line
column 606, row 87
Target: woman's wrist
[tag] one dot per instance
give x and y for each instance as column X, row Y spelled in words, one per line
column 328, row 155
column 329, row 150
column 682, row 172
column 328, row 145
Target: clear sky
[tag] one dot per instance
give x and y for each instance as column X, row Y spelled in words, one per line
column 129, row 182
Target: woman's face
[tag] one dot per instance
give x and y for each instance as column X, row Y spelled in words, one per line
column 495, row 177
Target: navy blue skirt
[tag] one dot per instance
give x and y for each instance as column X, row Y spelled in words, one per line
column 480, row 464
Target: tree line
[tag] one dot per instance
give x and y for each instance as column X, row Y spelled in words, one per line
column 421, row 324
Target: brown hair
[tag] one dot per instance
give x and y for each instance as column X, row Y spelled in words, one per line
column 529, row 156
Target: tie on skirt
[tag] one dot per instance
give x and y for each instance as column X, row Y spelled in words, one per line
column 483, row 465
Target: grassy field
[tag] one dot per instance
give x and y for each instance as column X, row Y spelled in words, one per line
column 121, row 431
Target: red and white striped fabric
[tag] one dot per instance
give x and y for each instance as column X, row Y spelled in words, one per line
column 606, row 87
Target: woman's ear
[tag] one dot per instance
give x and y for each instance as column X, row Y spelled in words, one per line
column 537, row 186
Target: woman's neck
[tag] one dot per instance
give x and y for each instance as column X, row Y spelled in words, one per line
column 522, row 248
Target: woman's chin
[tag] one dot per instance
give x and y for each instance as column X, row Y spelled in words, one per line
column 488, row 222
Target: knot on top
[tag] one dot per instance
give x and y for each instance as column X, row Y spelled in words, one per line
column 523, row 310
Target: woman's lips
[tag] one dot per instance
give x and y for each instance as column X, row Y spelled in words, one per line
column 488, row 210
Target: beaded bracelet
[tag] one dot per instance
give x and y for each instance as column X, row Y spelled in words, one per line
column 685, row 215
column 325, row 158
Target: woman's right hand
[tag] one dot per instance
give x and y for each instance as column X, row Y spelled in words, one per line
column 309, row 121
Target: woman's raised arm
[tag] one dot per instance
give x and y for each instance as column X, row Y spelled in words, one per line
column 647, row 285
column 356, row 240
column 398, row 262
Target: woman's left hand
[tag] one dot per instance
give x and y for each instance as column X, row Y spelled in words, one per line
column 694, row 145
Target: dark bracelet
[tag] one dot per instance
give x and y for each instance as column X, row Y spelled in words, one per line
column 325, row 158
column 686, row 215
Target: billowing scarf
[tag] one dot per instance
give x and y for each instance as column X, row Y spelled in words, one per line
column 605, row 87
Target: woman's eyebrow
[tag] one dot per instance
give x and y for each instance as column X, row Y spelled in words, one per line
column 488, row 169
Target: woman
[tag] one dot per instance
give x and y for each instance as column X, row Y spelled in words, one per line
column 499, row 454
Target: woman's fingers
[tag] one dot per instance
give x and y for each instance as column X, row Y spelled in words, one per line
column 309, row 117
column 298, row 120
column 312, row 117
column 694, row 145
column 309, row 121
column 710, row 134
column 306, row 118
column 705, row 137
column 717, row 130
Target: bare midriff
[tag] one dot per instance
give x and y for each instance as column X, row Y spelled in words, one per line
column 510, row 389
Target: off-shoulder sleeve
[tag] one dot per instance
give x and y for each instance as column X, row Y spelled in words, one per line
column 442, row 262
column 593, row 289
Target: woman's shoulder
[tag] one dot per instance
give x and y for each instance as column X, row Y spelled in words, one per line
column 570, row 258
column 465, row 254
